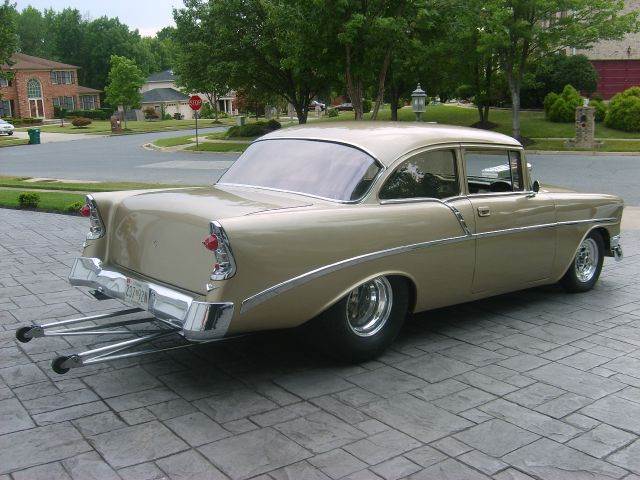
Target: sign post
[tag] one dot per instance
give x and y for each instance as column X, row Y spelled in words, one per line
column 195, row 102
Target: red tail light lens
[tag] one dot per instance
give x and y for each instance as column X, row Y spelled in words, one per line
column 85, row 211
column 211, row 242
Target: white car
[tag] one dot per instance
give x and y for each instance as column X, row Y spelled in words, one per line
column 6, row 127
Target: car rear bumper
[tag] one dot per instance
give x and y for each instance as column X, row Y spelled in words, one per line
column 199, row 321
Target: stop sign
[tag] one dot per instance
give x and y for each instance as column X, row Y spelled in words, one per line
column 195, row 102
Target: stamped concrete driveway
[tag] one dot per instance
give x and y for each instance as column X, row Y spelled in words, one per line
column 536, row 384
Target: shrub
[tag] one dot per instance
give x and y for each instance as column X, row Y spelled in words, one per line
column 366, row 105
column 601, row 109
column 25, row 121
column 563, row 109
column 178, row 116
column 150, row 113
column 74, row 207
column 253, row 129
column 333, row 112
column 101, row 114
column 464, row 92
column 549, row 100
column 81, row 122
column 28, row 200
column 624, row 111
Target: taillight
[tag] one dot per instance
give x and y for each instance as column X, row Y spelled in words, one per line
column 96, row 226
column 85, row 211
column 218, row 243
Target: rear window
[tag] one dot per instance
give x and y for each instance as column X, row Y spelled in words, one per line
column 310, row 167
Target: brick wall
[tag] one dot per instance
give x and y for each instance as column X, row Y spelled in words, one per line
column 18, row 92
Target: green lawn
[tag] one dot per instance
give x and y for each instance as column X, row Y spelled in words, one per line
column 49, row 201
column 144, row 126
column 219, row 147
column 10, row 140
column 20, row 182
column 533, row 124
column 174, row 141
column 608, row 146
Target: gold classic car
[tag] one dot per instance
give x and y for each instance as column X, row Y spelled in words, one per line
column 343, row 228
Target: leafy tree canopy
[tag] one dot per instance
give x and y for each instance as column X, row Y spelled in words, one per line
column 125, row 80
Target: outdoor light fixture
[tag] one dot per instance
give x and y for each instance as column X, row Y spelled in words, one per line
column 419, row 102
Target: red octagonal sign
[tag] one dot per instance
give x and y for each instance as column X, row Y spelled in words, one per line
column 195, row 102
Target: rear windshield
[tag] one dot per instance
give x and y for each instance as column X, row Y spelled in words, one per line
column 322, row 169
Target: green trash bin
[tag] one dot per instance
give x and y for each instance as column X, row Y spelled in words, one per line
column 34, row 136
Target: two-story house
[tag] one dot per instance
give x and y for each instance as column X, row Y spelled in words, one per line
column 37, row 85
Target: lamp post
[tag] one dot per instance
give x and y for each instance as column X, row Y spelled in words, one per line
column 419, row 102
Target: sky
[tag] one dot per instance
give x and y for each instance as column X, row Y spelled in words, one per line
column 148, row 16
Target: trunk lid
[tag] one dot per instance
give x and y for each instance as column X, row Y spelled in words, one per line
column 159, row 234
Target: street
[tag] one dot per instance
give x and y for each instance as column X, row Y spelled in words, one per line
column 123, row 158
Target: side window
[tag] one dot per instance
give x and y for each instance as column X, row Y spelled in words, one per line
column 429, row 174
column 491, row 170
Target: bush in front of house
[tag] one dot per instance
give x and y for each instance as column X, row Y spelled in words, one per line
column 562, row 108
column 333, row 112
column 18, row 121
column 624, row 111
column 150, row 113
column 74, row 207
column 601, row 109
column 253, row 129
column 81, row 122
column 101, row 114
column 28, row 200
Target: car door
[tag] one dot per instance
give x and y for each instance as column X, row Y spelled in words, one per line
column 426, row 187
column 515, row 227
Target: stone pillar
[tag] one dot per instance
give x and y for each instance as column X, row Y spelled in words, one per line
column 585, row 128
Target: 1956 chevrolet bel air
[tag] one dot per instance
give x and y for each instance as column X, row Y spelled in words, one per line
column 346, row 228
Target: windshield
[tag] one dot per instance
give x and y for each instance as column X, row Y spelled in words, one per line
column 322, row 169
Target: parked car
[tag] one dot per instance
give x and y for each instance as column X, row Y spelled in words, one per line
column 344, row 107
column 6, row 127
column 315, row 103
column 344, row 230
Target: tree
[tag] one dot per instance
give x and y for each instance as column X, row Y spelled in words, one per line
column 125, row 80
column 31, row 31
column 275, row 46
column 8, row 37
column 520, row 30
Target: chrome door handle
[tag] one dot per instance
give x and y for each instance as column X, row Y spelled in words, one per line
column 484, row 211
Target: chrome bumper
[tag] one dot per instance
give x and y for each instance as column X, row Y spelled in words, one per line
column 616, row 248
column 199, row 321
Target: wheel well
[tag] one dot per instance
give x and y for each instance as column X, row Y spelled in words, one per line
column 413, row 292
column 606, row 237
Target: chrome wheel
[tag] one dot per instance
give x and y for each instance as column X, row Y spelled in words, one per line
column 587, row 258
column 369, row 307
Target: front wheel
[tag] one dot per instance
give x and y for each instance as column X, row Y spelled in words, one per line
column 584, row 271
column 365, row 322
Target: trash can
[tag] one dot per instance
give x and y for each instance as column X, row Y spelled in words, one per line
column 34, row 136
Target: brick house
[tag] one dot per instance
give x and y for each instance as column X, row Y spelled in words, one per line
column 617, row 61
column 37, row 85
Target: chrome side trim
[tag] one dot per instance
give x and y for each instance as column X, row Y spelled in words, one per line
column 198, row 320
column 456, row 212
column 294, row 282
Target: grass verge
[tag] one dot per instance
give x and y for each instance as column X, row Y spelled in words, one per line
column 219, row 147
column 49, row 201
column 133, row 126
column 9, row 141
column 21, row 182
column 174, row 141
column 608, row 146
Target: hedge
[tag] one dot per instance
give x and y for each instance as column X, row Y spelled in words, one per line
column 624, row 111
column 253, row 129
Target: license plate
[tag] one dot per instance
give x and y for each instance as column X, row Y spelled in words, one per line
column 137, row 294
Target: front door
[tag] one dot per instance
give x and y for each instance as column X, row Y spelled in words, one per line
column 515, row 228
column 36, row 108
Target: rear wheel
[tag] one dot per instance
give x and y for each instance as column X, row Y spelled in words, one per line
column 365, row 322
column 584, row 271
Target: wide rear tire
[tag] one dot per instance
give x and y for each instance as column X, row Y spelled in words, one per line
column 364, row 323
column 584, row 271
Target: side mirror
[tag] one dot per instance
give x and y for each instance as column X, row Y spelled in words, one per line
column 536, row 186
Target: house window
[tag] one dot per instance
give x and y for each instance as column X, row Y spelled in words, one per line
column 88, row 102
column 62, row 77
column 4, row 82
column 34, row 90
column 68, row 103
column 5, row 108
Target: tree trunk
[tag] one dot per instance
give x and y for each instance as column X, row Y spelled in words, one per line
column 481, row 114
column 394, row 103
column 354, row 87
column 514, row 89
column 302, row 112
column 215, row 105
column 124, row 115
column 381, row 81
